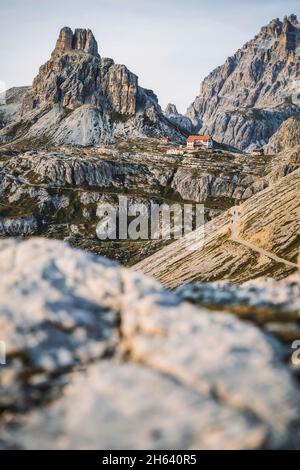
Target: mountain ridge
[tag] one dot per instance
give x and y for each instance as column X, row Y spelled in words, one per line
column 81, row 98
column 244, row 101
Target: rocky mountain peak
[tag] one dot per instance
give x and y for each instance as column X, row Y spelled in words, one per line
column 245, row 101
column 292, row 19
column 178, row 119
column 80, row 40
column 171, row 109
column 277, row 28
column 79, row 98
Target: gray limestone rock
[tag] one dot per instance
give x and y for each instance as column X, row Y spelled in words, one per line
column 243, row 102
column 166, row 374
column 77, row 98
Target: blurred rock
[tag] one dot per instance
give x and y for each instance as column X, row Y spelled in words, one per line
column 166, row 374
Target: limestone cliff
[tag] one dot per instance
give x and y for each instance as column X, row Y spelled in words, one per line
column 80, row 98
column 244, row 102
column 174, row 116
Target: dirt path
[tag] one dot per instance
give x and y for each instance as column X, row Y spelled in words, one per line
column 235, row 238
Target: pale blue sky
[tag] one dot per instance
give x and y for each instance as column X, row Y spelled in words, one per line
column 170, row 44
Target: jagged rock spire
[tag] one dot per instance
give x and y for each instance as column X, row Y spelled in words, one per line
column 171, row 109
column 261, row 78
column 292, row 19
column 64, row 42
column 88, row 99
column 81, row 40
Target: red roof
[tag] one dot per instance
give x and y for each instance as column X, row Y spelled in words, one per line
column 203, row 138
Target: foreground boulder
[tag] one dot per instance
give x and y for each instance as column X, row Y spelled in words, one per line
column 275, row 305
column 99, row 356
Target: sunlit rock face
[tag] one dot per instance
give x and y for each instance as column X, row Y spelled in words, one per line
column 55, row 192
column 80, row 98
column 243, row 102
column 174, row 116
column 81, row 39
column 75, row 75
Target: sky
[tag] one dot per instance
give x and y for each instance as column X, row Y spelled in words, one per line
column 170, row 44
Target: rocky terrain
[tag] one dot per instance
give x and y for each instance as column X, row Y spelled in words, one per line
column 273, row 305
column 243, row 102
column 103, row 356
column 287, row 136
column 178, row 119
column 262, row 238
column 80, row 98
column 81, row 329
column 55, row 192
column 11, row 104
